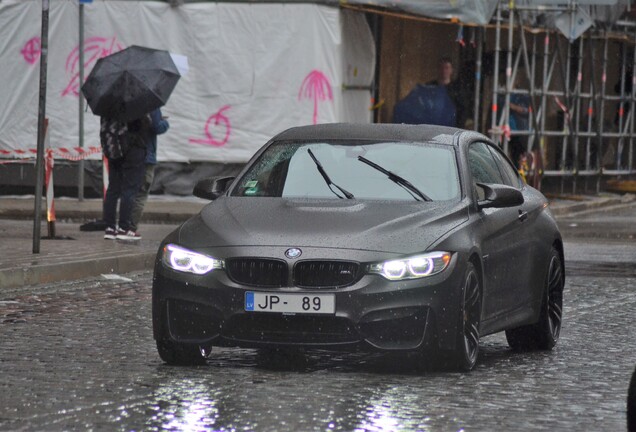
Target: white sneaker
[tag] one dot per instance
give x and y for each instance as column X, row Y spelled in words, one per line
column 128, row 235
column 110, row 234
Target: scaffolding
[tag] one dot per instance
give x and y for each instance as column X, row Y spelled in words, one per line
column 591, row 137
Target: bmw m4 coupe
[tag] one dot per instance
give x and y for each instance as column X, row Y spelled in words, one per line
column 363, row 237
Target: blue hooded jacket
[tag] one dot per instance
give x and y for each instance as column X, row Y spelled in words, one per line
column 158, row 126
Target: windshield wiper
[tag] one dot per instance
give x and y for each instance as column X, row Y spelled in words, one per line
column 397, row 179
column 324, row 175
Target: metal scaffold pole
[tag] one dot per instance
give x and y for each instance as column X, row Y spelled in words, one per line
column 478, row 77
column 494, row 134
column 544, row 94
column 577, row 111
column 630, row 164
column 506, row 110
column 600, row 122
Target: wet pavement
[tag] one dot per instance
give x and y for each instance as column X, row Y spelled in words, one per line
column 81, row 356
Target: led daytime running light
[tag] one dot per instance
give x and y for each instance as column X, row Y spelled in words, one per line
column 413, row 267
column 184, row 260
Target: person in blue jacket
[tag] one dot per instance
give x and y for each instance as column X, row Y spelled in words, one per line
column 158, row 125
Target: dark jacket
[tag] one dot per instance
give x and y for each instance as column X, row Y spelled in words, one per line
column 158, row 126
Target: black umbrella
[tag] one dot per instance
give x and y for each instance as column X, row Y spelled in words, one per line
column 130, row 83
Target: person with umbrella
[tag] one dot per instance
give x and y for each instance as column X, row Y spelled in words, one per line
column 125, row 174
column 123, row 88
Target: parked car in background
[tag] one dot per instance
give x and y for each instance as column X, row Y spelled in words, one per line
column 379, row 237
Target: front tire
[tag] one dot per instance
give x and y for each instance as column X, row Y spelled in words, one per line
column 177, row 354
column 464, row 357
column 545, row 333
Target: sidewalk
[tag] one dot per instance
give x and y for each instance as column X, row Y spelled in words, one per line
column 77, row 254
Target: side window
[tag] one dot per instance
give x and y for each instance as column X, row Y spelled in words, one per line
column 482, row 164
column 508, row 172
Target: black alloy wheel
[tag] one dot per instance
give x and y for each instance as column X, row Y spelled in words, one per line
column 545, row 333
column 464, row 358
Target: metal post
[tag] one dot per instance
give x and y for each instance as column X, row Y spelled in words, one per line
column 506, row 113
column 80, row 178
column 494, row 135
column 478, row 66
column 530, row 68
column 630, row 163
column 577, row 111
column 532, row 76
column 591, row 109
column 600, row 121
column 544, row 92
column 565, row 75
column 39, row 164
column 621, row 108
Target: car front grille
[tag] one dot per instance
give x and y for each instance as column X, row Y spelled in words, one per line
column 273, row 273
column 325, row 274
column 257, row 271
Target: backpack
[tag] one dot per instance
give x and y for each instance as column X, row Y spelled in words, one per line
column 114, row 138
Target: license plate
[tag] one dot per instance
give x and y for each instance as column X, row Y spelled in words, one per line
column 290, row 303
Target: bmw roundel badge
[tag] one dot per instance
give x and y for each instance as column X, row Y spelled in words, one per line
column 293, row 253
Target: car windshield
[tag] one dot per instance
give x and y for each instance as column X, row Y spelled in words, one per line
column 325, row 169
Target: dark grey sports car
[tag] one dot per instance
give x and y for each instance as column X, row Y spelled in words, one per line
column 382, row 237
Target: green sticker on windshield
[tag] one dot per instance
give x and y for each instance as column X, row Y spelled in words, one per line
column 251, row 191
column 251, row 184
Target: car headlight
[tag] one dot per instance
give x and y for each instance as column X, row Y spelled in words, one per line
column 415, row 267
column 185, row 260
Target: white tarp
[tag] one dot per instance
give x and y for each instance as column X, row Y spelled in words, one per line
column 254, row 70
column 465, row 11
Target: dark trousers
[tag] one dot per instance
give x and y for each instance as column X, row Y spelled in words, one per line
column 142, row 195
column 124, row 179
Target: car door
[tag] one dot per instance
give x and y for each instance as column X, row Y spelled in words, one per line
column 501, row 236
column 527, row 214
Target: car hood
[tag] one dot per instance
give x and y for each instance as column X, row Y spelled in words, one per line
column 389, row 226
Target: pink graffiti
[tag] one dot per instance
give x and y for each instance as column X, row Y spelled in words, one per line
column 32, row 50
column 220, row 123
column 94, row 49
column 316, row 87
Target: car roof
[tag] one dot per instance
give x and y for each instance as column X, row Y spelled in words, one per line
column 372, row 132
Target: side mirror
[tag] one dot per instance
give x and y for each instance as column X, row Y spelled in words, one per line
column 212, row 188
column 498, row 196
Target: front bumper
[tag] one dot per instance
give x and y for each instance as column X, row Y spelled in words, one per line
column 373, row 313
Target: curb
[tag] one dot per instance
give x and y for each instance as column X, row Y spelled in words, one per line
column 584, row 206
column 79, row 269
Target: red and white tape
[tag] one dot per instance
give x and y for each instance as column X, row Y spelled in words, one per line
column 70, row 153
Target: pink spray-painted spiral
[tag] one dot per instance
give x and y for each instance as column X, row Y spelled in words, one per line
column 217, row 122
column 94, row 49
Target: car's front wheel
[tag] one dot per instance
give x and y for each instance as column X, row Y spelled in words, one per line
column 179, row 354
column 464, row 357
column 545, row 333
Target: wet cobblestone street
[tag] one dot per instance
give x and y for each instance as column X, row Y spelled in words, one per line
column 81, row 356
